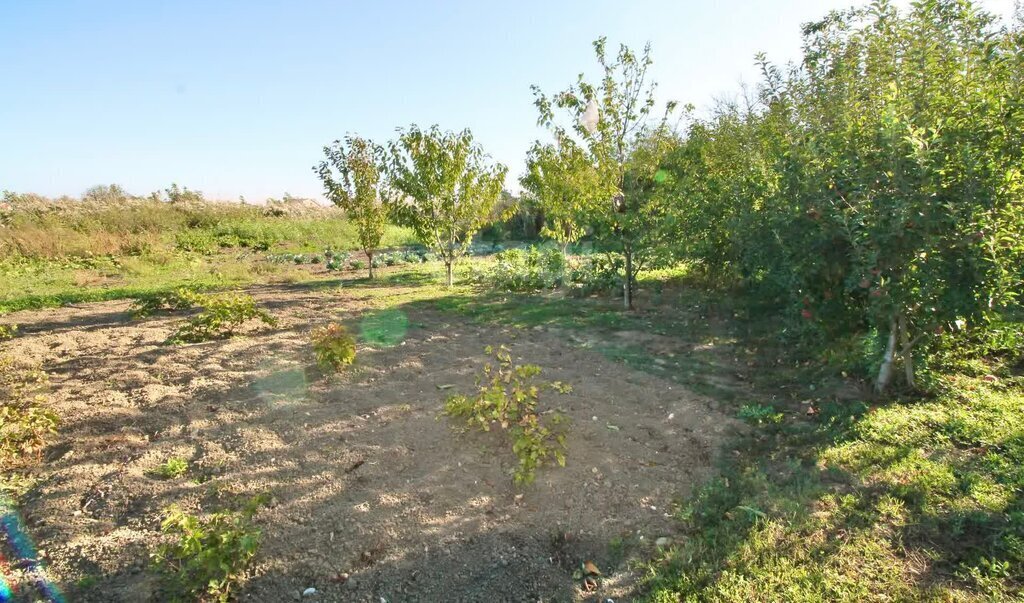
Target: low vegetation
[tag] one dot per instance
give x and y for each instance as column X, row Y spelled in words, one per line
column 207, row 558
column 172, row 468
column 182, row 298
column 221, row 315
column 508, row 397
column 25, row 420
column 333, row 347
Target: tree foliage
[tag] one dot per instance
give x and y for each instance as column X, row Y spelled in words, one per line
column 352, row 177
column 875, row 186
column 608, row 147
column 445, row 188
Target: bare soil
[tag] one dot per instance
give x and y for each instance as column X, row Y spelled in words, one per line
column 376, row 495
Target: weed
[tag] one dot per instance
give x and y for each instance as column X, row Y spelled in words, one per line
column 208, row 557
column 8, row 332
column 333, row 347
column 221, row 315
column 759, row 414
column 508, row 396
column 25, row 422
column 182, row 298
column 173, row 468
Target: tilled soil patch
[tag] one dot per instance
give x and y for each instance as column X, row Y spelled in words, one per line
column 374, row 495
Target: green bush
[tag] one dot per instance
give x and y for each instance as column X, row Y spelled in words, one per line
column 507, row 396
column 8, row 332
column 530, row 270
column 207, row 558
column 596, row 274
column 221, row 315
column 181, row 298
column 357, row 264
column 25, row 422
column 333, row 347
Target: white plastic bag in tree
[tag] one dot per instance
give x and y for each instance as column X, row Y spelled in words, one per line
column 590, row 117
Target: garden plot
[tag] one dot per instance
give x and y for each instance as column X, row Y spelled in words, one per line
column 373, row 493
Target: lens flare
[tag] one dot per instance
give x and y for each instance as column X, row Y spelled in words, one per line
column 384, row 329
column 25, row 555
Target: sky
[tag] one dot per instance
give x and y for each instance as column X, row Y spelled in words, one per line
column 237, row 98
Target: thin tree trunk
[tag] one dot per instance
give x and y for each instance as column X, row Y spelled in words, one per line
column 885, row 371
column 627, row 288
column 907, row 352
column 369, row 255
column 448, row 270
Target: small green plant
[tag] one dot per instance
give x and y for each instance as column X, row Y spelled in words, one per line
column 182, row 298
column 25, row 422
column 8, row 332
column 759, row 414
column 221, row 315
column 526, row 270
column 173, row 468
column 207, row 557
column 357, row 264
column 507, row 396
column 333, row 346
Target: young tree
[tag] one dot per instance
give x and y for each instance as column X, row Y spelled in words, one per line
column 610, row 121
column 445, row 189
column 556, row 181
column 351, row 174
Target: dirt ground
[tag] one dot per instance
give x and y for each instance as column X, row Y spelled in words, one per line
column 375, row 496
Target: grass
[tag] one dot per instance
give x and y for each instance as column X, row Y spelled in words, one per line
column 917, row 499
column 54, row 229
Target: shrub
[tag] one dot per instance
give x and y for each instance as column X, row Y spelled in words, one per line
column 221, row 315
column 333, row 346
column 530, row 270
column 357, row 264
column 208, row 557
column 8, row 331
column 507, row 396
column 182, row 298
column 24, row 421
column 597, row 274
column 171, row 469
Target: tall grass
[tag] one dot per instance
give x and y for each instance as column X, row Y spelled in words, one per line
column 117, row 225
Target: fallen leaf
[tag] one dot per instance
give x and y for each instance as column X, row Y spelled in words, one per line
column 590, row 569
column 446, row 386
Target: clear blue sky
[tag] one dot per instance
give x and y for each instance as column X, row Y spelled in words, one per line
column 237, row 98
